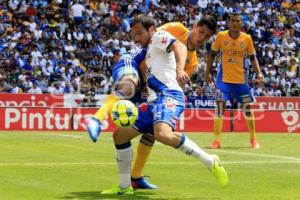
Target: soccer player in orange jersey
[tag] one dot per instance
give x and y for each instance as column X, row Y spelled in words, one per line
column 128, row 85
column 234, row 47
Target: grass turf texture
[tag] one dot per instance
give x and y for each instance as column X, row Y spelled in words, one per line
column 67, row 165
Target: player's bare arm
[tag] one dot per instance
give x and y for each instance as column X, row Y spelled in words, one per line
column 211, row 58
column 180, row 52
column 254, row 63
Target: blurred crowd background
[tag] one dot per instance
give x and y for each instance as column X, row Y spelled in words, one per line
column 70, row 46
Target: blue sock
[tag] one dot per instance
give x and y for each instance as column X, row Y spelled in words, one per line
column 181, row 141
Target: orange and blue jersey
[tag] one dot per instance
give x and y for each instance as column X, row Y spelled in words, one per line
column 233, row 52
column 232, row 78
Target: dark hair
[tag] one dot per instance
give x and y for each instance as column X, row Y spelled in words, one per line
column 235, row 14
column 209, row 21
column 145, row 20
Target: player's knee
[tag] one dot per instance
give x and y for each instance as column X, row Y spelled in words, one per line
column 247, row 110
column 117, row 137
column 163, row 136
column 147, row 139
column 127, row 89
column 248, row 113
column 220, row 107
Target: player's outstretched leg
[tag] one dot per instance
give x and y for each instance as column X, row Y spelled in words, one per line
column 138, row 181
column 93, row 127
column 164, row 134
column 125, row 89
column 212, row 162
column 93, row 124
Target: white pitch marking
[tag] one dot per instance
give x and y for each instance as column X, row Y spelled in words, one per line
column 69, row 136
column 259, row 155
column 218, row 150
column 150, row 163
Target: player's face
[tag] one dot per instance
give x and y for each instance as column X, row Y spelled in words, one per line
column 140, row 35
column 235, row 23
column 199, row 35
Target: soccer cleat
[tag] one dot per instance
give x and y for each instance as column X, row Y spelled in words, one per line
column 219, row 172
column 142, row 183
column 254, row 144
column 118, row 190
column 216, row 144
column 93, row 126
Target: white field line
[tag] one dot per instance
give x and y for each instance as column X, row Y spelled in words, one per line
column 79, row 136
column 253, row 162
column 219, row 150
column 259, row 155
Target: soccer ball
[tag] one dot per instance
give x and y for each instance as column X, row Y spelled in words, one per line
column 124, row 113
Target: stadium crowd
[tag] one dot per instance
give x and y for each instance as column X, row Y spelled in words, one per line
column 70, row 46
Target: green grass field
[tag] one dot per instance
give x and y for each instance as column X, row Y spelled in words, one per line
column 67, row 165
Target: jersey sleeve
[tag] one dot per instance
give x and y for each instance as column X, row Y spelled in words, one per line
column 250, row 46
column 162, row 40
column 216, row 46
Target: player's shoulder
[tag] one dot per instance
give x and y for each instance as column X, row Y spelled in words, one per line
column 172, row 25
column 161, row 33
column 245, row 35
column 222, row 33
column 220, row 36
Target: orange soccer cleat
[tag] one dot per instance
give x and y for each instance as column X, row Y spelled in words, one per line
column 216, row 145
column 254, row 144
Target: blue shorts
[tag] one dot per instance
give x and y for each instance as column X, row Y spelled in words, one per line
column 167, row 109
column 229, row 91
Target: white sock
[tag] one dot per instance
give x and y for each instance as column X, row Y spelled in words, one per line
column 192, row 149
column 123, row 158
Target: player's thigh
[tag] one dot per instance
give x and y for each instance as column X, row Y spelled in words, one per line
column 165, row 134
column 162, row 130
column 223, row 91
column 168, row 109
column 166, row 112
column 123, row 135
column 222, row 95
column 243, row 94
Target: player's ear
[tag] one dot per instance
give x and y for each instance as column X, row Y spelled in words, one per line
column 152, row 29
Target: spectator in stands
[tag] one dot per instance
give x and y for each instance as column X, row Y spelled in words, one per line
column 35, row 89
column 93, row 34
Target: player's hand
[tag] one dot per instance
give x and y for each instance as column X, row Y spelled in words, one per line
column 209, row 79
column 260, row 78
column 182, row 77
